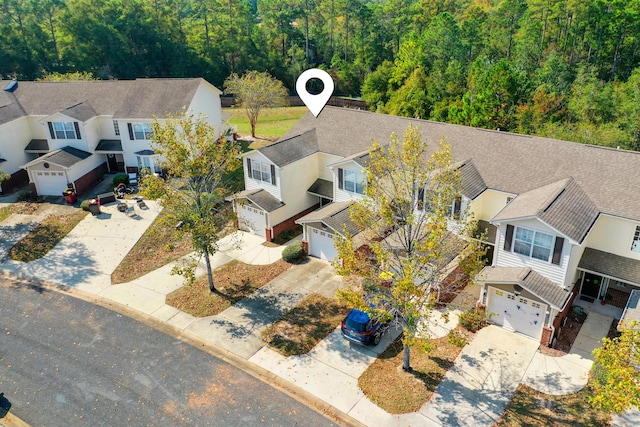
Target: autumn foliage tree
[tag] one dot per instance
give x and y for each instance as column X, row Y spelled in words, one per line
column 404, row 220
column 198, row 163
column 255, row 91
column 616, row 372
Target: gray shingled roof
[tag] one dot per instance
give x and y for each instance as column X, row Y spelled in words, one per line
column 472, row 183
column 261, row 198
column 289, row 150
column 563, row 205
column 625, row 269
column 534, row 283
column 65, row 157
column 37, row 145
column 491, row 230
column 109, row 145
column 507, row 162
column 334, row 215
column 322, row 187
column 81, row 100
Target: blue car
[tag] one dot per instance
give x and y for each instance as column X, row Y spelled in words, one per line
column 359, row 328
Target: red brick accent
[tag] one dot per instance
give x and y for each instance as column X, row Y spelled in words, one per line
column 557, row 322
column 268, row 234
column 305, row 247
column 32, row 185
column 132, row 169
column 86, row 182
column 18, row 179
column 290, row 224
column 547, row 334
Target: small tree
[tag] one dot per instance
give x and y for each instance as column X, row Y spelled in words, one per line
column 616, row 372
column 197, row 163
column 4, row 176
column 404, row 218
column 255, row 91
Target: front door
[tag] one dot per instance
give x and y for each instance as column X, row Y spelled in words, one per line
column 112, row 162
column 591, row 285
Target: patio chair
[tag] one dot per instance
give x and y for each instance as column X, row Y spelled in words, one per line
column 133, row 179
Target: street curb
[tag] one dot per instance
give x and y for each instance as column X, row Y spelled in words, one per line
column 11, row 420
column 245, row 365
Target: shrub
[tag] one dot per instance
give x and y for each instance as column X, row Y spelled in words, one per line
column 24, row 196
column 473, row 320
column 293, row 253
column 121, row 177
column 457, row 339
column 85, row 205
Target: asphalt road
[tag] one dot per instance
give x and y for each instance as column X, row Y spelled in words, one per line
column 66, row 362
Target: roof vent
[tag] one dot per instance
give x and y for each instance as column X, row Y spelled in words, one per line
column 11, row 87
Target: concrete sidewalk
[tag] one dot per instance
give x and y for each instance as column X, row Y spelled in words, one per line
column 474, row 392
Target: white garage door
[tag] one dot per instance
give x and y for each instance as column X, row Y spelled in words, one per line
column 516, row 313
column 321, row 244
column 50, row 183
column 252, row 220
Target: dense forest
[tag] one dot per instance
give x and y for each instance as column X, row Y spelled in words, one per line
column 563, row 68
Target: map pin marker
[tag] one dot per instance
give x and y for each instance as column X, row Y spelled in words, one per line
column 315, row 103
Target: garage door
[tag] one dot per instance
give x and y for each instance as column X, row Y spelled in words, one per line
column 516, row 313
column 321, row 244
column 49, row 183
column 252, row 220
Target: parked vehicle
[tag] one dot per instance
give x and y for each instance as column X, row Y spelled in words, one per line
column 360, row 328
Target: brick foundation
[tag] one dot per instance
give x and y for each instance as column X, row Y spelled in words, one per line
column 305, row 247
column 88, row 181
column 289, row 224
column 547, row 335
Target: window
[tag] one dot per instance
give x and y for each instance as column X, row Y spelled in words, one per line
column 261, row 171
column 533, row 244
column 64, row 130
column 635, row 246
column 140, row 131
column 352, row 181
column 147, row 162
column 116, row 127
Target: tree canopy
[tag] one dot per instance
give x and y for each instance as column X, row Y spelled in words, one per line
column 406, row 245
column 197, row 163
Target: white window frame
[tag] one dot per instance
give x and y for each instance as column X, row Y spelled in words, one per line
column 148, row 162
column 353, row 182
column 261, row 171
column 142, row 131
column 635, row 244
column 64, row 130
column 532, row 244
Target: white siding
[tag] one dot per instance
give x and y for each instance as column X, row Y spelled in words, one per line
column 324, row 160
column 252, row 184
column 555, row 273
column 206, row 101
column 296, row 178
column 343, row 195
column 14, row 137
column 55, row 144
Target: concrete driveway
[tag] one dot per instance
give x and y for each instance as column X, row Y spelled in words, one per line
column 485, row 376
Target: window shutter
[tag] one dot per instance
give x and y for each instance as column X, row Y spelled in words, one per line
column 421, row 199
column 273, row 174
column 75, row 125
column 508, row 238
column 457, row 204
column 130, row 131
column 51, row 132
column 249, row 168
column 340, row 185
column 557, row 251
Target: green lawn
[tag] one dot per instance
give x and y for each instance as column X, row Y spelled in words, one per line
column 272, row 122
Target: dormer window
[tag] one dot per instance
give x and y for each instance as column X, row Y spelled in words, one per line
column 64, row 130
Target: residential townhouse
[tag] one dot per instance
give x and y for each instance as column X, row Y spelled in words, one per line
column 562, row 219
column 54, row 133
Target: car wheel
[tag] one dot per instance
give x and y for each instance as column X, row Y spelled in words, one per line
column 377, row 338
